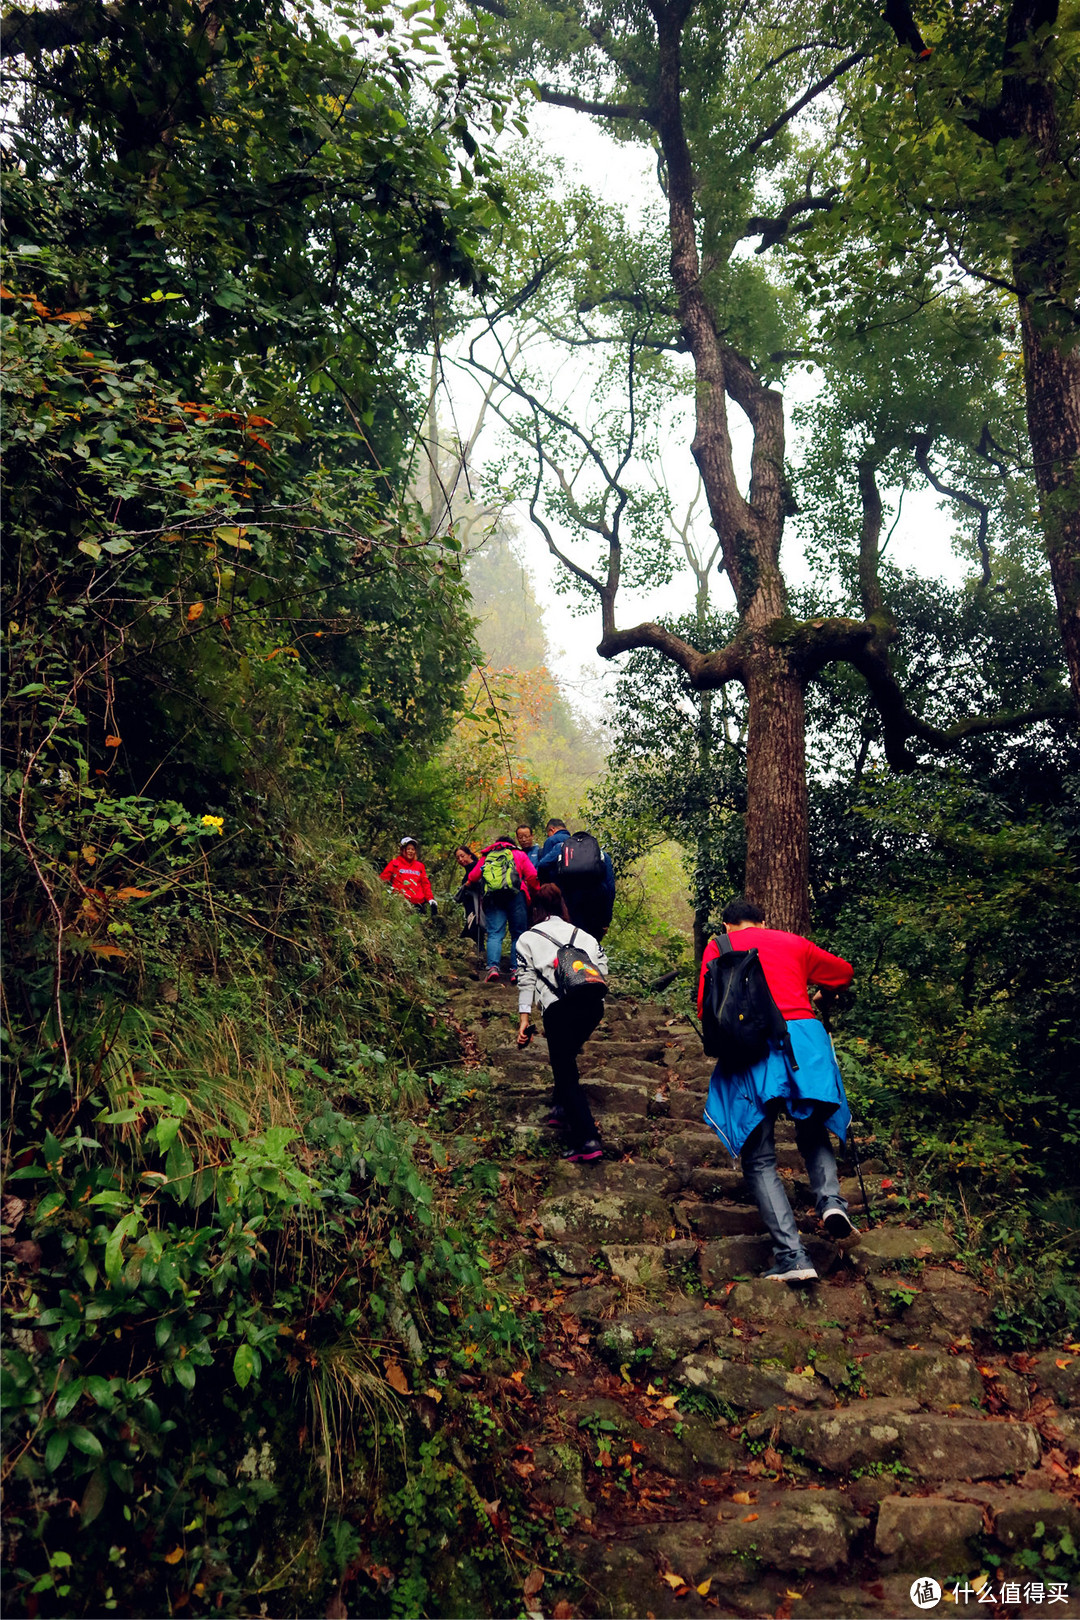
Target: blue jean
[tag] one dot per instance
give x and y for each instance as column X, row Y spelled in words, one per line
column 502, row 910
column 763, row 1180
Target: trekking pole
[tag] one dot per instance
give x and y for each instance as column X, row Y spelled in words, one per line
column 849, row 1140
column 853, row 1150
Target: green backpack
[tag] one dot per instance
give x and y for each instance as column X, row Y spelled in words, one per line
column 501, row 876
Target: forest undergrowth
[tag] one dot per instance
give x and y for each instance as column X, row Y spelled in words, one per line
column 234, row 1245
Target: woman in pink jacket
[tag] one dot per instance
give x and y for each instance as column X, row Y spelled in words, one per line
column 507, row 876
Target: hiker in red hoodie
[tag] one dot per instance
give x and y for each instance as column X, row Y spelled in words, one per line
column 743, row 1107
column 407, row 875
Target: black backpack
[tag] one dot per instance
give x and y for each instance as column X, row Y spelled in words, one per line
column 740, row 1021
column 576, row 974
column 581, row 860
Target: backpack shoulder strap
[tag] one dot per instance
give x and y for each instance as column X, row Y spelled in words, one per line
column 724, row 945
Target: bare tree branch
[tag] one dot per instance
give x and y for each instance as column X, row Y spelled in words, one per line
column 635, row 110
column 804, row 100
column 921, row 446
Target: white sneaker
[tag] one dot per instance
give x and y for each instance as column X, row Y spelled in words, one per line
column 790, row 1274
column 837, row 1224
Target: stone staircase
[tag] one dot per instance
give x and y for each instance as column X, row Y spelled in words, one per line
column 712, row 1443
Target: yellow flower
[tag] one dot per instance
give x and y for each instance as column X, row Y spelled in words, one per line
column 216, row 822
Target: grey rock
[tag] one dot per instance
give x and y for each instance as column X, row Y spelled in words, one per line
column 1063, row 1383
column 938, row 1447
column 591, row 1305
column 938, row 1305
column 930, row 1446
column 851, row 1436
column 560, row 1477
column 747, row 1388
column 707, row 1181
column 613, row 1097
column 709, row 1444
column 722, row 1220
column 602, row 1217
column 668, row 1335
column 1016, row 1516
column 921, row 1533
column 641, row 1264
column 886, row 1246
column 811, row 1530
column 731, row 1257
column 571, row 1258
column 929, row 1376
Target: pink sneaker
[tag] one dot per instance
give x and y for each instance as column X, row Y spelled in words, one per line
column 492, row 976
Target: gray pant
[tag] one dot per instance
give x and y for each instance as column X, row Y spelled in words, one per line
column 763, row 1180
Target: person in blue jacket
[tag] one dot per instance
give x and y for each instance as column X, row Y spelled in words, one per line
column 590, row 904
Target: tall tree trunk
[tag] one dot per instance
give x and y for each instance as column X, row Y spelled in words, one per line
column 1052, row 389
column 703, row 890
column 1045, row 270
column 777, row 823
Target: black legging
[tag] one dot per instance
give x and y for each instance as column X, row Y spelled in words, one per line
column 567, row 1026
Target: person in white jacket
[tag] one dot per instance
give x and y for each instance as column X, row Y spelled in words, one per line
column 568, row 1021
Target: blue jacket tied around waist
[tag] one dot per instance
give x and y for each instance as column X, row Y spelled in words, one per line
column 738, row 1102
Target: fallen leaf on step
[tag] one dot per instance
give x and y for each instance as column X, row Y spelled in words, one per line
column 703, row 1589
column 624, row 1372
column 793, row 1595
column 1063, row 1361
column 651, row 1389
column 533, row 1582
column 668, row 1402
column 674, row 1580
column 434, row 1394
column 750, row 1517
column 743, row 1498
column 562, row 1610
column 773, row 1459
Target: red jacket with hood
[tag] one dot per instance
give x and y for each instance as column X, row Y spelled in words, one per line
column 408, row 878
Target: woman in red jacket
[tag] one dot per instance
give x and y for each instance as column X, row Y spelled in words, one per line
column 743, row 1107
column 407, row 875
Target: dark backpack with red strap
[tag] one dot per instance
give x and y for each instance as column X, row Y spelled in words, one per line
column 740, row 1021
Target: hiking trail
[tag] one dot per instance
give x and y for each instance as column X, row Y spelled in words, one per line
column 826, row 1445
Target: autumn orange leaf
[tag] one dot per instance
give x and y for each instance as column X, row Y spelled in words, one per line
column 195, row 611
column 673, row 1580
column 396, row 1378
column 703, row 1589
column 112, row 740
column 743, row 1498
column 175, row 1556
column 750, row 1517
column 1063, row 1361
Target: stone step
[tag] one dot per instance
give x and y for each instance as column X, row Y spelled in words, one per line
column 606, row 1217
column 891, row 1431
column 742, row 1387
column 798, row 1530
column 625, row 1176
column 709, row 1220
column 726, row 1259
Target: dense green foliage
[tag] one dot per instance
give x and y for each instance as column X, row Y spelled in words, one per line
column 232, row 649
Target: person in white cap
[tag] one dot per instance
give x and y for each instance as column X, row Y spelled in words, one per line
column 407, row 875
